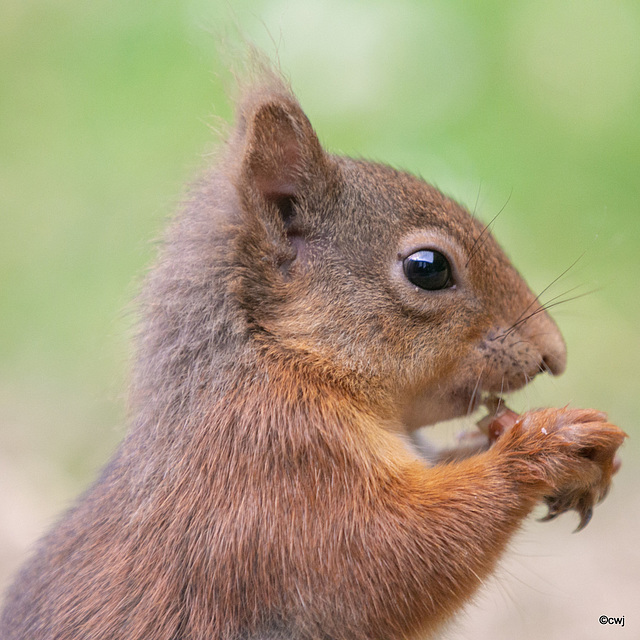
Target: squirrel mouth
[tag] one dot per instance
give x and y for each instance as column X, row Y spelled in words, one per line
column 491, row 401
column 430, row 410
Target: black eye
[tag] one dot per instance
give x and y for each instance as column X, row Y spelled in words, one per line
column 428, row 270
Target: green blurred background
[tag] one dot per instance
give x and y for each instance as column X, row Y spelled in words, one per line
column 108, row 108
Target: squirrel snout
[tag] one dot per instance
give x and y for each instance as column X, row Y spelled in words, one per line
column 555, row 361
column 546, row 336
column 517, row 355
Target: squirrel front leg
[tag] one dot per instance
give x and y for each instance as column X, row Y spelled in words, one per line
column 448, row 525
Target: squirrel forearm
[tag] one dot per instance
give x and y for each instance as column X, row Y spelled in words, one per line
column 431, row 537
column 468, row 511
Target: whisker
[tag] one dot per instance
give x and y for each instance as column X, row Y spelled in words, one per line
column 484, row 234
column 528, row 340
column 573, row 264
column 475, row 391
column 553, row 302
column 502, row 385
column 475, row 207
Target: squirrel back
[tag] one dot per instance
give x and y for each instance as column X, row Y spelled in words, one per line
column 307, row 313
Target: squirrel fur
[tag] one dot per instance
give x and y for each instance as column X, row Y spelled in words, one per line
column 268, row 487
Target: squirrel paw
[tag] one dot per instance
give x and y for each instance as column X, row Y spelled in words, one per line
column 572, row 452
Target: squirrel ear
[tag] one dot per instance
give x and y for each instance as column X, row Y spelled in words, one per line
column 282, row 157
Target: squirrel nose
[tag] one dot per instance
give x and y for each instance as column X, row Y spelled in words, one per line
column 555, row 362
column 543, row 336
column 550, row 344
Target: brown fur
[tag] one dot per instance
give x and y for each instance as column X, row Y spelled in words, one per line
column 266, row 488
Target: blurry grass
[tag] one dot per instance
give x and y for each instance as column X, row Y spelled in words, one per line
column 105, row 110
column 104, row 116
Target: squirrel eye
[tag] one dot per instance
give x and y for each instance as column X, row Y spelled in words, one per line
column 428, row 269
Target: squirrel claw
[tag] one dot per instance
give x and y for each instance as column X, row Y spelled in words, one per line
column 558, row 505
column 585, row 518
column 554, row 509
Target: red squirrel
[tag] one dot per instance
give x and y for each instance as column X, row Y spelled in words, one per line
column 307, row 313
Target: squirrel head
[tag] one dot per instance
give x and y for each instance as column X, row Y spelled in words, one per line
column 363, row 272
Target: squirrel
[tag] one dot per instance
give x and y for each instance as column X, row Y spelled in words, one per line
column 306, row 314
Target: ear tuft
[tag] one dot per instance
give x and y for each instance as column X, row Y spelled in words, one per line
column 281, row 154
column 275, row 156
